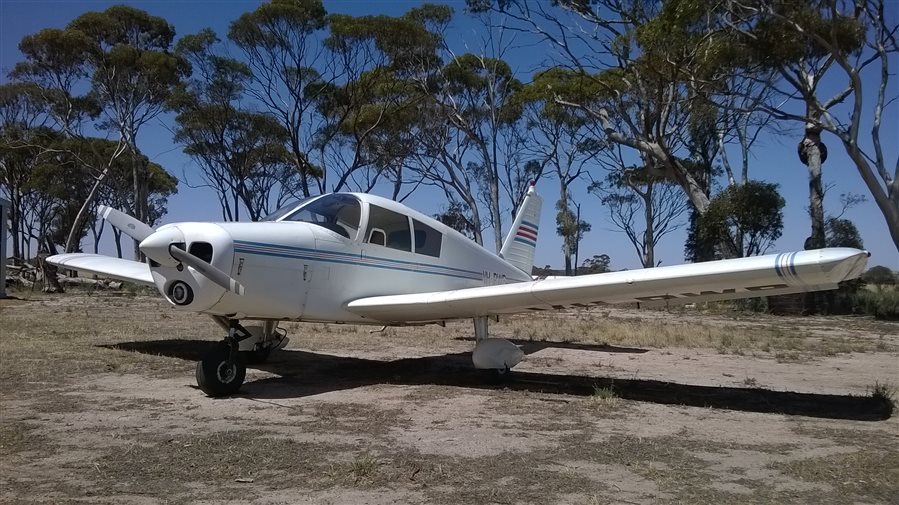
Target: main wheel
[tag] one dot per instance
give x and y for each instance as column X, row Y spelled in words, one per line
column 218, row 374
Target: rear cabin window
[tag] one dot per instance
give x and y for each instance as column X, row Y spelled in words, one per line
column 427, row 239
column 388, row 228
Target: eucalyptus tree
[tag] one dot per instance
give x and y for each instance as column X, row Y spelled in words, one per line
column 477, row 96
column 241, row 153
column 122, row 55
column 837, row 41
column 369, row 133
column 742, row 220
column 22, row 136
column 281, row 41
column 117, row 192
column 132, row 73
column 644, row 207
column 54, row 69
column 561, row 140
column 614, row 66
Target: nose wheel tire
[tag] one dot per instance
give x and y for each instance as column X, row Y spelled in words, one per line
column 221, row 372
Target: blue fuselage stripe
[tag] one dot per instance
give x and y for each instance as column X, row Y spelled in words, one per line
column 279, row 251
column 526, row 241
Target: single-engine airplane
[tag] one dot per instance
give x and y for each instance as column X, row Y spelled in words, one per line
column 362, row 259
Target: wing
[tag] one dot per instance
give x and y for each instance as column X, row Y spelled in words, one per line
column 714, row 280
column 104, row 266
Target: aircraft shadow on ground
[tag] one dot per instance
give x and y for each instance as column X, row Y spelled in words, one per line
column 532, row 346
column 306, row 373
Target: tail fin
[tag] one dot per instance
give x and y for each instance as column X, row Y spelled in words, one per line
column 521, row 242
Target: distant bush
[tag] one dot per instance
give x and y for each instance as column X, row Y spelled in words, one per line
column 879, row 275
column 882, row 304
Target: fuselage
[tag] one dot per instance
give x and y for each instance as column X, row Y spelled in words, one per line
column 314, row 259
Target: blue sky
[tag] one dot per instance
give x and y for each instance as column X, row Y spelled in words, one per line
column 774, row 156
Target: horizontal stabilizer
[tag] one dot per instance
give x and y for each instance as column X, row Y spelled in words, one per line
column 714, row 280
column 105, row 266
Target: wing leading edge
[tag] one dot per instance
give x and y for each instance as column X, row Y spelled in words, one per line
column 105, row 266
column 784, row 273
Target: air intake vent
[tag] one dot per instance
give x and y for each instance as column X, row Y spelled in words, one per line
column 202, row 250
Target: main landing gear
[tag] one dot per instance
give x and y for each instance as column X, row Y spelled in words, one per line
column 223, row 368
column 495, row 354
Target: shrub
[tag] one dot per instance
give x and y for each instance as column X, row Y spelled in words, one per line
column 880, row 304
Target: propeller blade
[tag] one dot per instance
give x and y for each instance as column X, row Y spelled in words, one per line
column 127, row 224
column 210, row 272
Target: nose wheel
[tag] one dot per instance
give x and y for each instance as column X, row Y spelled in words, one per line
column 222, row 370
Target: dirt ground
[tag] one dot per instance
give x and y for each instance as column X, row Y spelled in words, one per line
column 98, row 404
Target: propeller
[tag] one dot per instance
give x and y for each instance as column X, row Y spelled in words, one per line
column 210, row 272
column 125, row 223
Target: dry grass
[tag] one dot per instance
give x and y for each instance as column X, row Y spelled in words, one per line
column 729, row 336
column 872, row 472
column 66, row 437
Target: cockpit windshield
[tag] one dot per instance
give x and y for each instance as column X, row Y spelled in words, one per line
column 284, row 210
column 338, row 213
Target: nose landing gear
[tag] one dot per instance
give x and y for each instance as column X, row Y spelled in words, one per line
column 223, row 368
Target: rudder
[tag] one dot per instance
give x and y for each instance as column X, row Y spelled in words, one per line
column 521, row 242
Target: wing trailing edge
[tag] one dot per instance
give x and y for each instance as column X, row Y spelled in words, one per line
column 105, row 266
column 784, row 273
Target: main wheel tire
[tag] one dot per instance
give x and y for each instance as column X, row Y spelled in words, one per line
column 216, row 376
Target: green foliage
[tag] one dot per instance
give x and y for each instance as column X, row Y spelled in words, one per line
column 842, row 233
column 241, row 153
column 776, row 41
column 274, row 24
column 484, row 87
column 128, row 54
column 409, row 42
column 882, row 304
column 880, row 275
column 743, row 220
column 598, row 264
column 456, row 217
column 572, row 229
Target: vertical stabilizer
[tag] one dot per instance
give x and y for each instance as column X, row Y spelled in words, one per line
column 521, row 242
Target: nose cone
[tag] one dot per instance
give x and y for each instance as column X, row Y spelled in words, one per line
column 156, row 246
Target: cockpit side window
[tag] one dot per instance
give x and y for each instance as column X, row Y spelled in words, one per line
column 338, row 213
column 427, row 239
column 392, row 225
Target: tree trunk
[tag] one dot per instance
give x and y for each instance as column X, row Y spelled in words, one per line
column 49, row 272
column 97, row 234
column 649, row 258
column 566, row 240
column 887, row 200
column 495, row 215
column 15, row 225
column 136, row 207
column 71, row 241
column 577, row 240
column 813, row 153
column 117, row 235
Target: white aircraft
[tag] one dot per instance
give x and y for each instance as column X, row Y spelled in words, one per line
column 361, row 259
